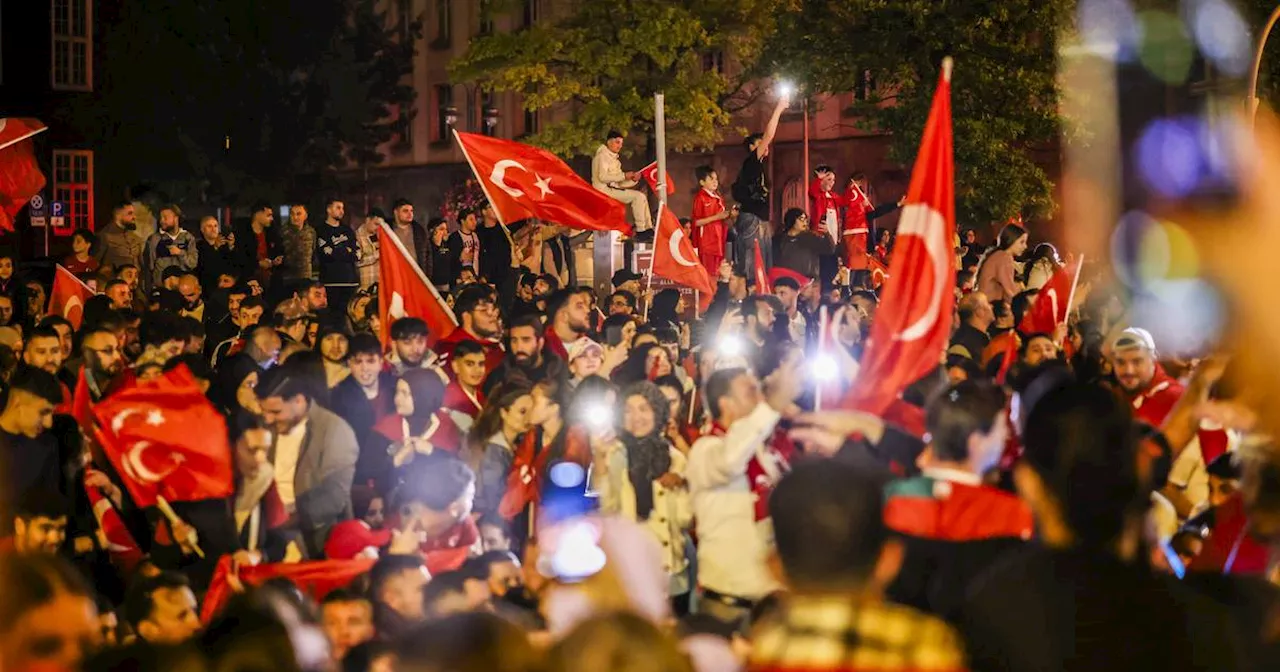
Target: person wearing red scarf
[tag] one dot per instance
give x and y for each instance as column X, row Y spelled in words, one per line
column 731, row 472
column 421, row 426
column 568, row 319
column 463, row 397
column 1152, row 394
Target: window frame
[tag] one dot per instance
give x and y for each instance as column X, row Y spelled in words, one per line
column 70, row 42
column 77, row 194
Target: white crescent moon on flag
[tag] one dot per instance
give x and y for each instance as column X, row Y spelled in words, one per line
column 927, row 224
column 1052, row 295
column 396, row 309
column 73, row 302
column 118, row 421
column 140, row 471
column 674, row 244
column 499, row 175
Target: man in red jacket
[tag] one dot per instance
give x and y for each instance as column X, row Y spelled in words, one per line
column 476, row 309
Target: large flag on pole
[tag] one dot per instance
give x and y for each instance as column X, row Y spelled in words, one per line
column 913, row 323
column 674, row 257
column 524, row 182
column 404, row 291
column 20, row 176
column 68, row 296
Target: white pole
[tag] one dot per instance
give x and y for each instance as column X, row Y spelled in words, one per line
column 660, row 138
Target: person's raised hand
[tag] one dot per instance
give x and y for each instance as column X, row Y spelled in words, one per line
column 783, row 386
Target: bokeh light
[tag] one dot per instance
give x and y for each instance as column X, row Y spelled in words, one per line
column 1184, row 316
column 1166, row 50
column 1169, row 156
column 1109, row 27
column 1222, row 34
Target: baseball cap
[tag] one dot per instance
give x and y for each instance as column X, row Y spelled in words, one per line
column 624, row 276
column 1135, row 338
column 583, row 346
column 350, row 538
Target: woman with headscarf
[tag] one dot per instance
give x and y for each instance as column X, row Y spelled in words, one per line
column 420, row 426
column 639, row 476
column 493, row 439
column 234, row 393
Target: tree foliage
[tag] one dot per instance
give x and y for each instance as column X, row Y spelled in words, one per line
column 606, row 60
column 1004, row 92
column 233, row 100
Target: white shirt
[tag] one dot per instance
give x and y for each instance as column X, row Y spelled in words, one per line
column 732, row 546
column 288, row 448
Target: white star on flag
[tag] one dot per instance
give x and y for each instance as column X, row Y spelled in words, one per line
column 155, row 418
column 543, row 184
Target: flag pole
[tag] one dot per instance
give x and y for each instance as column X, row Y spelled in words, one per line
column 648, row 285
column 660, row 143
column 823, row 320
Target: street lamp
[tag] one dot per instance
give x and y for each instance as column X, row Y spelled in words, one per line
column 1257, row 61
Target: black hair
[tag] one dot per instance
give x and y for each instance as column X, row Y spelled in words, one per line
column 464, row 348
column 703, row 172
column 342, row 595
column 558, row 300
column 42, row 330
column 789, row 219
column 1021, row 303
column 389, row 567
column 283, row 381
column 1225, row 466
column 471, row 297
column 1079, row 433
column 614, row 133
column 959, row 411
column 829, row 524
column 40, row 502
column 477, row 567
column 330, row 200
column 364, row 344
column 1009, row 235
column 435, row 483
column 407, row 327
column 36, row 382
column 530, row 320
column 86, row 235
column 626, row 296
column 259, row 206
column 718, row 385
column 399, row 203
column 53, row 321
column 789, row 283
column 139, row 600
column 751, row 139
column 160, row 327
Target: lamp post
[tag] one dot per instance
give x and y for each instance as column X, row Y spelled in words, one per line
column 1257, row 61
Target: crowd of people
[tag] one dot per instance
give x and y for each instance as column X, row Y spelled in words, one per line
column 639, row 484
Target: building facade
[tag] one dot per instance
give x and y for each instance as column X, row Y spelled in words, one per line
column 51, row 56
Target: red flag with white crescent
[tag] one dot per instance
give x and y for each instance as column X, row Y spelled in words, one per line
column 524, row 182
column 650, row 175
column 316, row 578
column 68, row 296
column 1053, row 302
column 913, row 324
column 674, row 257
column 405, row 291
column 166, row 439
column 763, row 286
column 20, row 176
column 116, row 538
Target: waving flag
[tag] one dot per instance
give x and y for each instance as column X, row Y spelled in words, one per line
column 68, row 296
column 317, row 579
column 763, row 286
column 650, row 175
column 913, row 323
column 404, row 291
column 20, row 176
column 674, row 257
column 1053, row 303
column 166, row 439
column 524, row 182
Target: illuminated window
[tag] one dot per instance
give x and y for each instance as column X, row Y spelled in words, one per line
column 73, row 185
column 72, row 67
column 446, row 113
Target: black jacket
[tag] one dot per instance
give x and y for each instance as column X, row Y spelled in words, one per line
column 336, row 254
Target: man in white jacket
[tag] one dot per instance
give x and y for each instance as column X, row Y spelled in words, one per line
column 608, row 177
column 730, row 509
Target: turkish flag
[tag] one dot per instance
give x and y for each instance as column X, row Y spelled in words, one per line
column 674, row 257
column 117, row 539
column 68, row 296
column 316, row 579
column 913, row 323
column 1053, row 302
column 650, row 175
column 763, row 286
column 20, row 176
column 166, row 439
column 404, row 291
column 524, row 182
